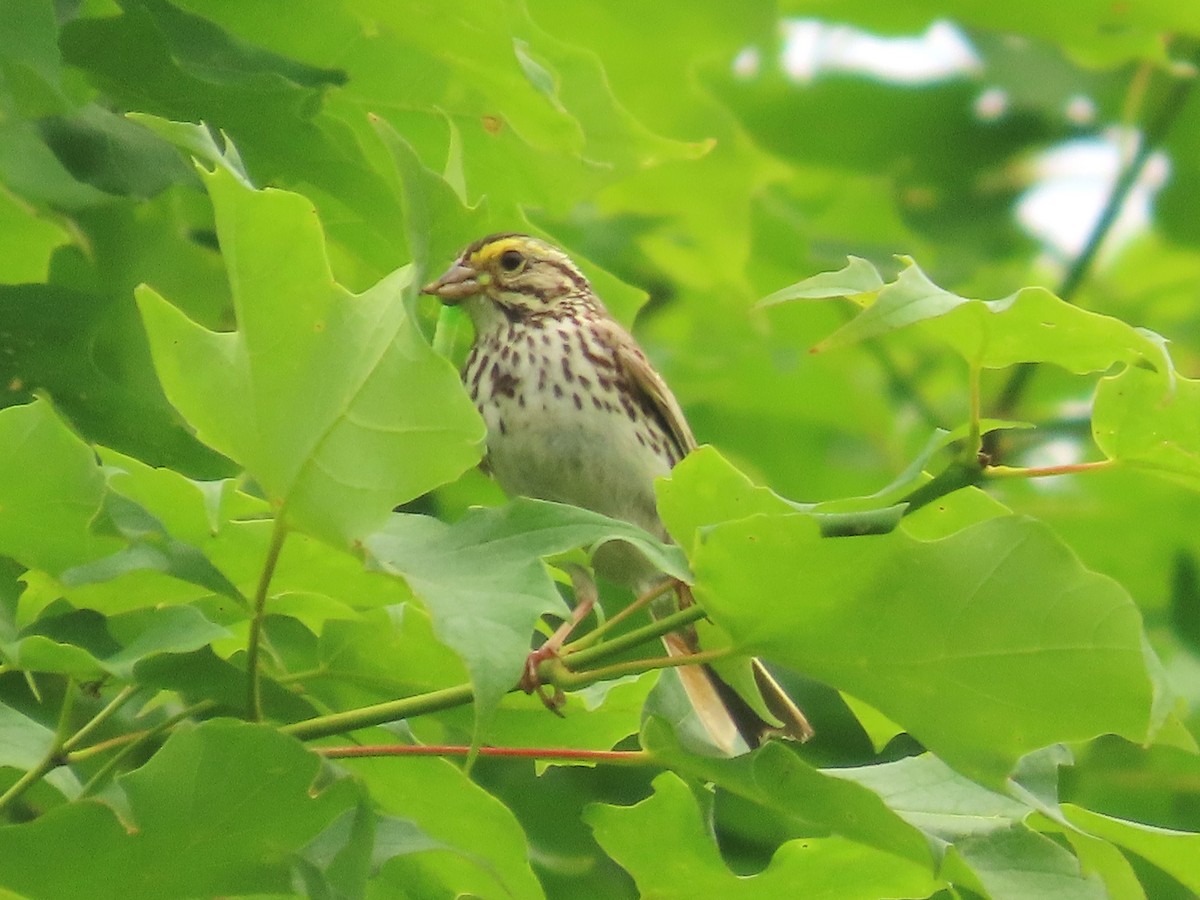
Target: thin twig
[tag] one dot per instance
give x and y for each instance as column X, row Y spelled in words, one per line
column 638, row 604
column 432, row 701
column 572, row 680
column 100, row 718
column 1048, row 471
column 380, row 713
column 254, row 644
column 462, row 694
column 621, row 643
column 611, row 757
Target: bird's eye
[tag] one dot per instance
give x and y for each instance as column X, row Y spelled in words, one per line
column 511, row 260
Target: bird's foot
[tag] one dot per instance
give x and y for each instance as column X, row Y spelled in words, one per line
column 531, row 678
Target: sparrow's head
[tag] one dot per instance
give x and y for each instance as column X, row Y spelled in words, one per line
column 515, row 274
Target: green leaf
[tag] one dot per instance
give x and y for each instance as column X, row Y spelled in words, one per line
column 393, row 653
column 149, row 547
column 929, row 795
column 858, row 277
column 30, row 66
column 113, row 154
column 390, row 653
column 27, row 242
column 1031, row 325
column 38, row 653
column 145, row 633
column 704, row 490
column 31, row 171
column 1175, row 852
column 344, row 411
column 710, row 486
column 23, row 742
column 574, row 81
column 88, row 352
column 438, row 223
column 199, row 142
column 976, row 836
column 337, row 861
column 87, row 646
column 1150, row 422
column 984, row 645
column 683, row 860
column 50, row 489
column 1018, row 863
column 1108, row 863
column 594, row 718
column 484, row 582
column 202, row 676
column 191, row 54
column 986, row 830
column 224, row 801
column 485, row 851
column 692, row 173
column 779, row 780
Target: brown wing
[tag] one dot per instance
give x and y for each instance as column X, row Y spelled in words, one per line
column 636, row 369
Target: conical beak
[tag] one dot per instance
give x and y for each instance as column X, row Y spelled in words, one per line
column 456, row 285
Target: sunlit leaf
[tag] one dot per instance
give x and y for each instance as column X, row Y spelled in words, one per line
column 966, row 641
column 1150, row 423
column 344, row 411
column 1031, row 325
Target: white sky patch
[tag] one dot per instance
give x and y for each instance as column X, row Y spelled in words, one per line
column 1074, row 182
column 1060, row 452
column 1074, row 179
column 812, row 46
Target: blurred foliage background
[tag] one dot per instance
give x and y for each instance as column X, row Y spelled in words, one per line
column 693, row 158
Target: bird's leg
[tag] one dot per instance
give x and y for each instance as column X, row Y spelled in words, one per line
column 639, row 603
column 585, row 601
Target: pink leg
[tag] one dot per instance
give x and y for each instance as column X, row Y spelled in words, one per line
column 585, row 601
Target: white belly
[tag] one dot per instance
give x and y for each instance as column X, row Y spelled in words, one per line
column 552, row 451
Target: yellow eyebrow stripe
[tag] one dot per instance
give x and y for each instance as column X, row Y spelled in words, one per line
column 491, row 251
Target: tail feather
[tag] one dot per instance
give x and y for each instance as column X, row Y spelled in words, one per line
column 726, row 716
column 711, row 708
column 795, row 723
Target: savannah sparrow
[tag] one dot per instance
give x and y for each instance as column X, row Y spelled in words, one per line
column 576, row 414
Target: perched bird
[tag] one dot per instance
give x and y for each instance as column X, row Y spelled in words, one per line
column 576, row 414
